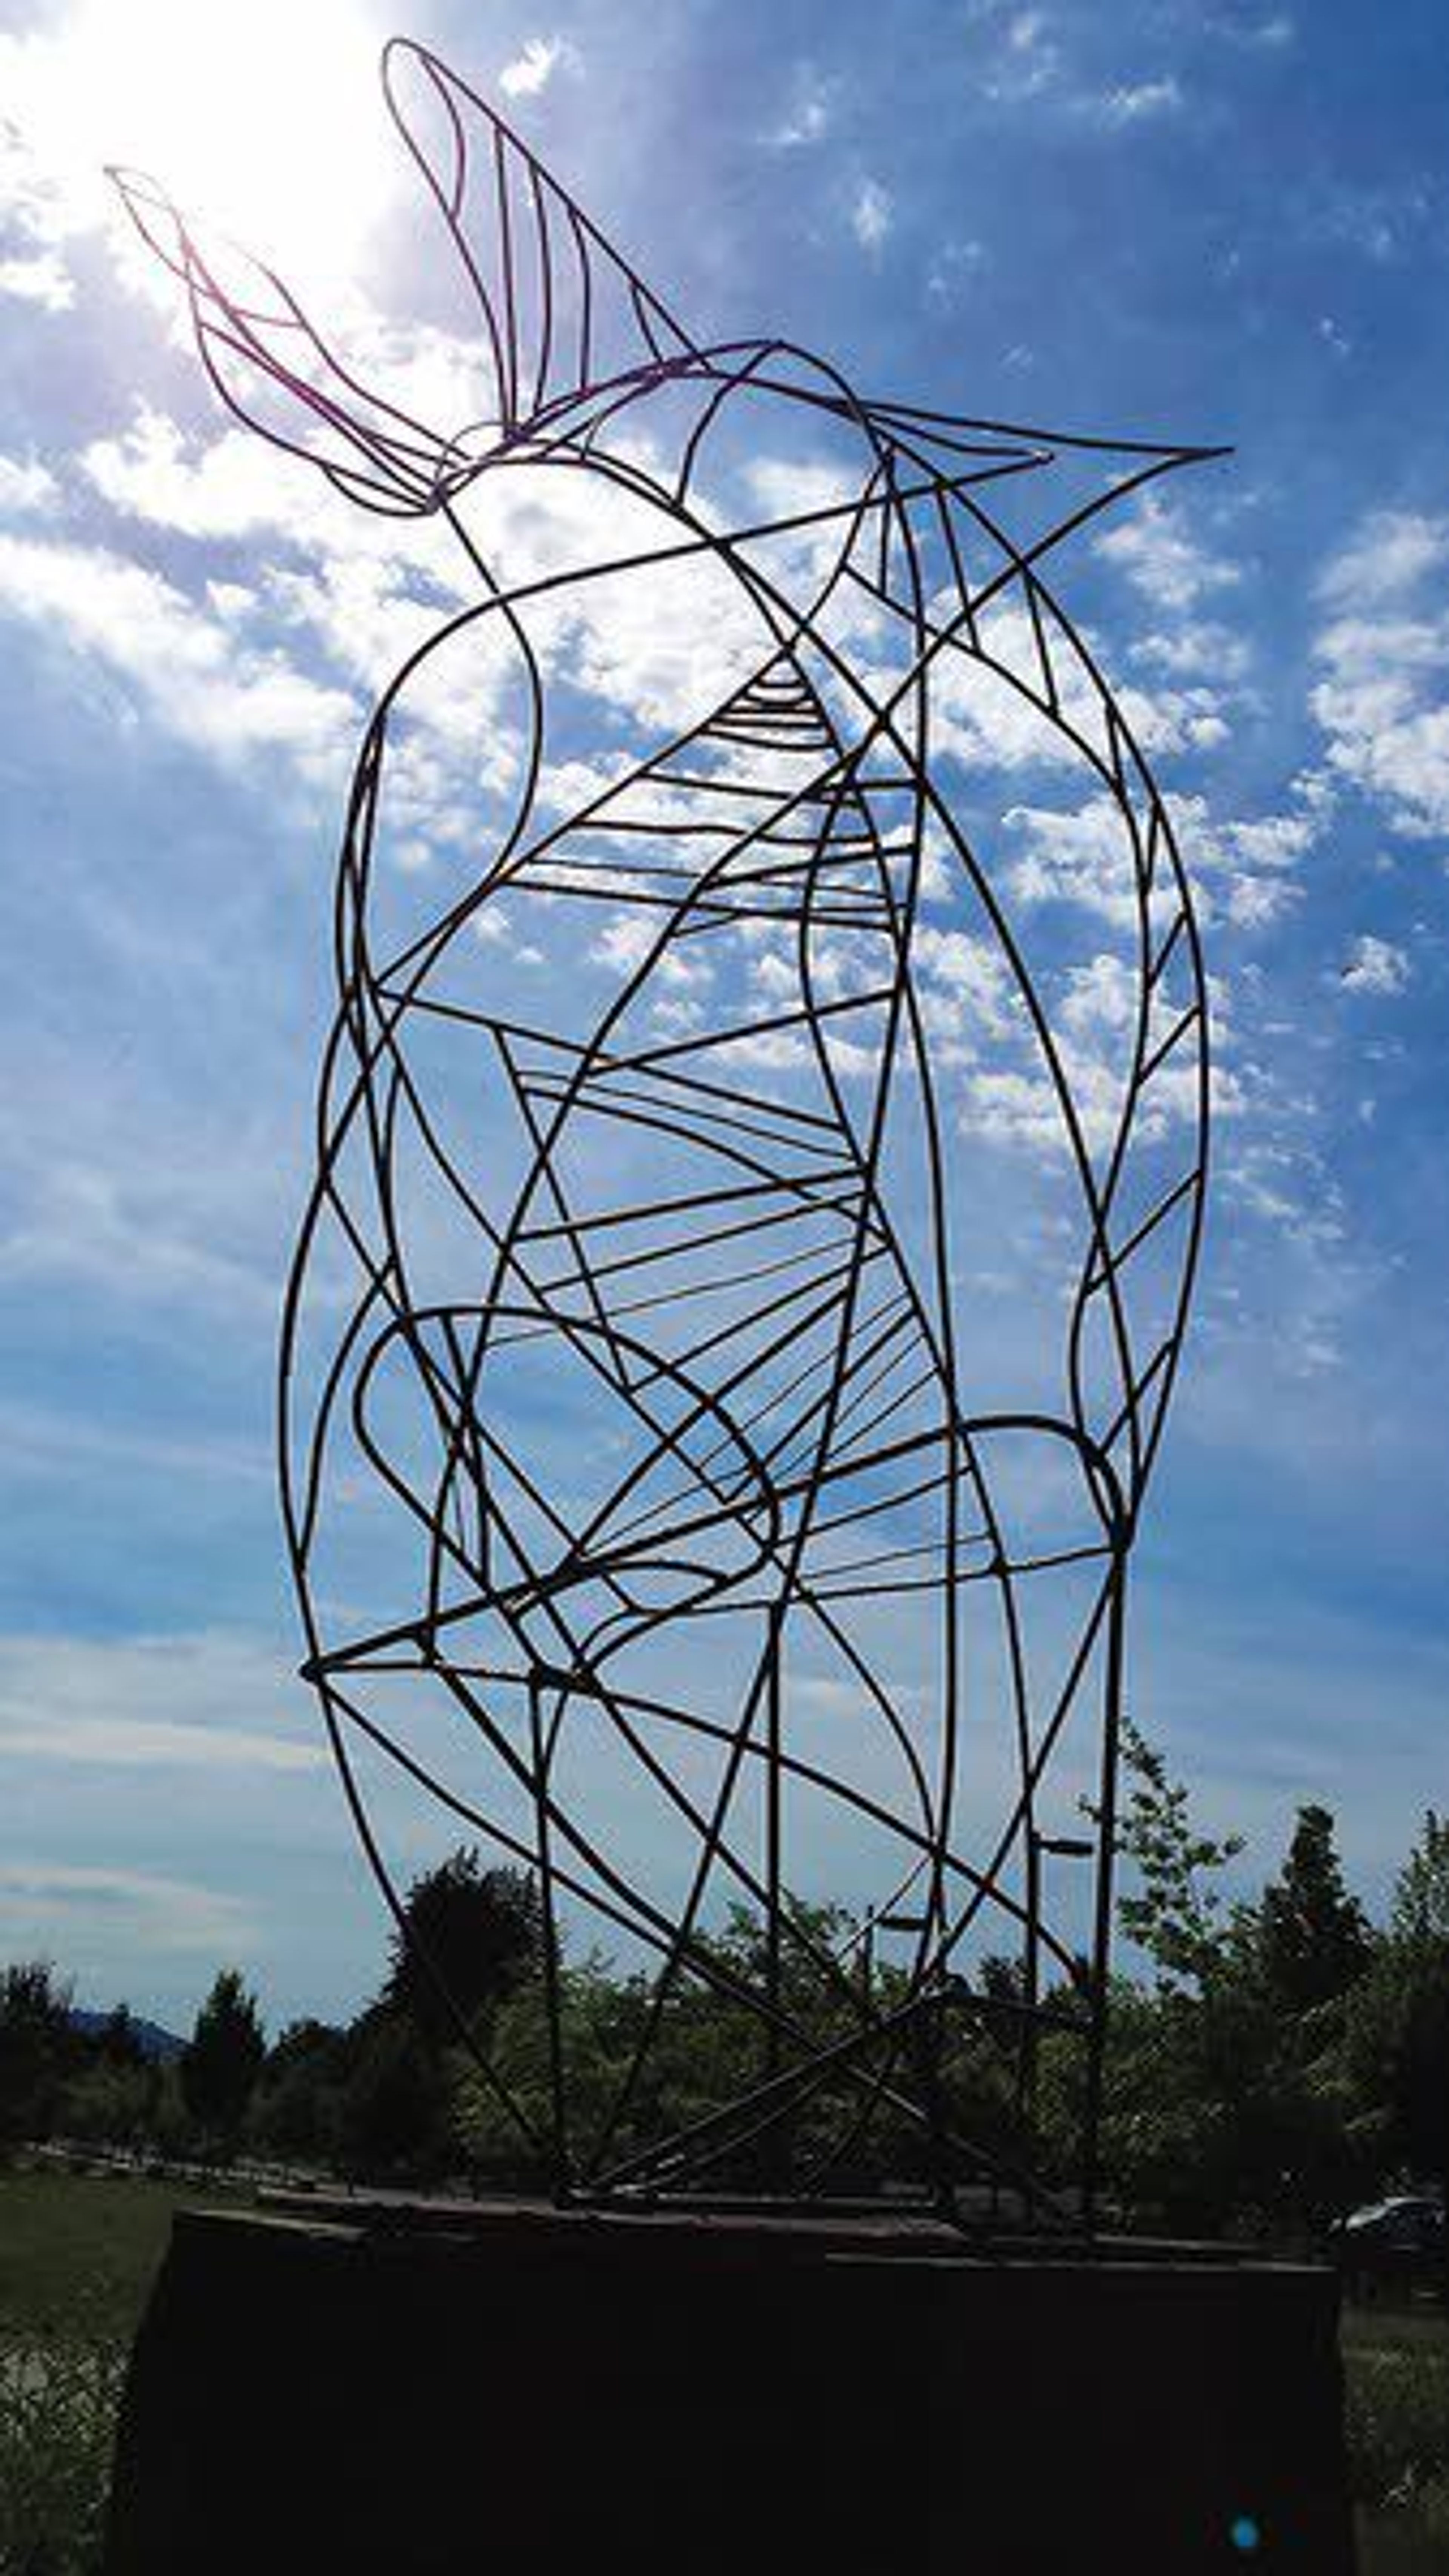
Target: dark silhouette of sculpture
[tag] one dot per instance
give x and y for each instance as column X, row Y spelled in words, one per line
column 710, row 1529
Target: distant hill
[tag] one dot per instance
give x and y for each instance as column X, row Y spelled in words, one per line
column 151, row 2038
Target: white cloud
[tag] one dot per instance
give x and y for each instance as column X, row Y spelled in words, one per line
column 175, row 660
column 1159, row 555
column 200, row 1700
column 232, row 486
column 1255, row 903
column 26, row 488
column 1376, row 966
column 1082, row 856
column 1268, row 35
column 153, row 1229
column 625, row 941
column 1250, row 860
column 86, row 1914
column 1202, row 650
column 1142, row 99
column 810, row 114
column 1028, row 59
column 533, row 69
column 1383, row 702
column 1384, row 707
column 36, row 214
column 1386, row 557
column 38, row 277
column 954, row 270
column 872, row 214
column 969, row 993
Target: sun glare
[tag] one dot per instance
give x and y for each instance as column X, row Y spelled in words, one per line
column 264, row 120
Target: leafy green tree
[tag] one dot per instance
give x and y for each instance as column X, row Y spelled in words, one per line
column 393, row 2111
column 504, row 2126
column 110, row 2100
column 297, row 2108
column 1421, row 2072
column 223, row 2060
column 1311, row 1937
column 474, row 1932
column 1221, row 2105
column 1174, row 1913
column 1396, row 2043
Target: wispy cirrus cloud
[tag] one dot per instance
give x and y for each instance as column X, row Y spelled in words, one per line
column 201, row 1700
column 809, row 112
column 82, row 1913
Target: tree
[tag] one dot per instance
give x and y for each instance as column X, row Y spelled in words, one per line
column 38, row 2046
column 118, row 2041
column 110, row 2100
column 297, row 2108
column 1419, row 1913
column 1421, row 2072
column 471, row 1934
column 393, row 2109
column 1396, row 2035
column 220, row 2066
column 1174, row 1913
column 1311, row 1938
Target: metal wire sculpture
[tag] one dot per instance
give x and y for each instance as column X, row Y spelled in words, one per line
column 640, row 1315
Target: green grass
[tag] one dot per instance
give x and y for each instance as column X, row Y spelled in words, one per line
column 1396, row 2369
column 78, row 2255
column 79, row 2252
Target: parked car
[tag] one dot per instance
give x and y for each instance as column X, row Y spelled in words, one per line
column 1395, row 2244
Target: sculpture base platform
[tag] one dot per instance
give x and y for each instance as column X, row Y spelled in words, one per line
column 415, row 2392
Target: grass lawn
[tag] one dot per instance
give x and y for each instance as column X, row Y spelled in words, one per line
column 1396, row 2363
column 78, row 2253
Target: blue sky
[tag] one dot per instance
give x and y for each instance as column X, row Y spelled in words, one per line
column 1208, row 224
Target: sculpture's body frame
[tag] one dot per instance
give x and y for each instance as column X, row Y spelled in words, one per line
column 831, row 1401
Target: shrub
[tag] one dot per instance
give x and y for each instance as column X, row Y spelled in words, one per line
column 58, row 2407
column 1397, row 2423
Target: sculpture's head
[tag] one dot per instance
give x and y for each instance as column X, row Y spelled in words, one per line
column 570, row 339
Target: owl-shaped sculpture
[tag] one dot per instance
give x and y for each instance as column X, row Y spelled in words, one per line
column 761, row 1151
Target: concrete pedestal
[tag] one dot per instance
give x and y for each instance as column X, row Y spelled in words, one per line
column 570, row 2394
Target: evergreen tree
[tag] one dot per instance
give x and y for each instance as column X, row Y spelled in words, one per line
column 1419, row 1915
column 38, row 2046
column 223, row 2060
column 1311, row 1938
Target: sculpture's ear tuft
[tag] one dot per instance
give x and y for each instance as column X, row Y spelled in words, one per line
column 273, row 369
column 562, row 310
